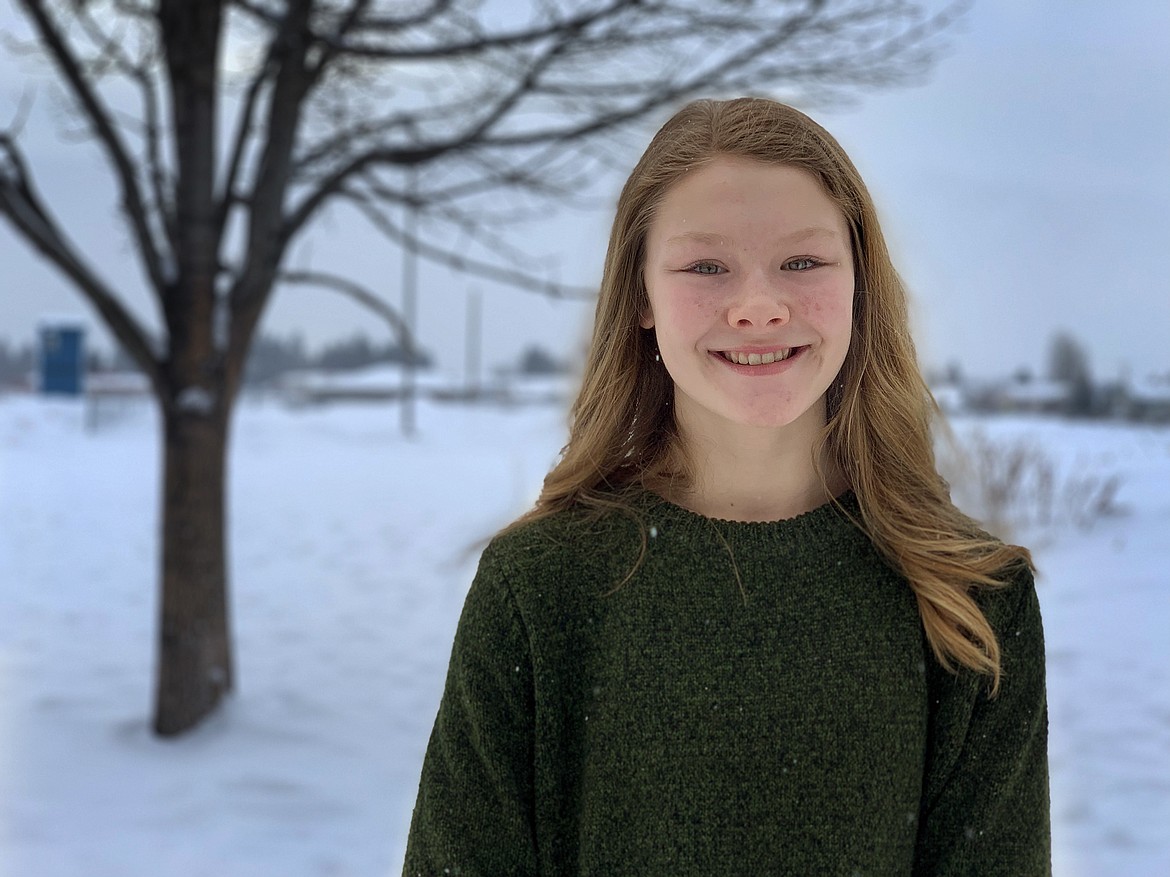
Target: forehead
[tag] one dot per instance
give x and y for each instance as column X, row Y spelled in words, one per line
column 736, row 196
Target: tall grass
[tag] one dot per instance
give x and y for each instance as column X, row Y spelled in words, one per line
column 1017, row 489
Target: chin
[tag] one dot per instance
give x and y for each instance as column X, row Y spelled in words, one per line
column 771, row 419
column 780, row 417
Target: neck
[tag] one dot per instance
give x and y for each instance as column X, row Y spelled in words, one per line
column 757, row 473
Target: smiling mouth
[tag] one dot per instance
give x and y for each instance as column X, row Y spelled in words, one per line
column 771, row 356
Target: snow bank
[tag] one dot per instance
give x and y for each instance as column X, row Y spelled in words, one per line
column 352, row 549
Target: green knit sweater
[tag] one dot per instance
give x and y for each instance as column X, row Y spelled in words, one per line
column 757, row 699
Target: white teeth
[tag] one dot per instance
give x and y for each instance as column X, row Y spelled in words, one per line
column 758, row 358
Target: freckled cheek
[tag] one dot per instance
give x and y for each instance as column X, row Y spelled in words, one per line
column 688, row 315
column 830, row 309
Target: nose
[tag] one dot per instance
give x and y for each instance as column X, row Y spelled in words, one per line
column 759, row 304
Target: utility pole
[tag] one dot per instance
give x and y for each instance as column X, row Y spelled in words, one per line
column 473, row 341
column 409, row 302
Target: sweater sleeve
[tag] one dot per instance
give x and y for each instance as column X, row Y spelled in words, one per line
column 985, row 805
column 474, row 812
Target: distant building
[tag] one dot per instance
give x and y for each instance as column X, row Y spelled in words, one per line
column 1147, row 400
column 1034, row 397
column 384, row 383
column 950, row 397
column 61, row 358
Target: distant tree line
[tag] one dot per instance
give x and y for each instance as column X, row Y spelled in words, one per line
column 1068, row 364
column 271, row 357
column 1066, row 387
column 15, row 363
column 538, row 361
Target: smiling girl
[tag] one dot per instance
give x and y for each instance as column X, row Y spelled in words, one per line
column 744, row 629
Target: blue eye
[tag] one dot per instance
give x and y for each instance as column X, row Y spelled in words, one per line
column 800, row 264
column 707, row 268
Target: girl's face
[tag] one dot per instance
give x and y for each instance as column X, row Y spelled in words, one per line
column 749, row 273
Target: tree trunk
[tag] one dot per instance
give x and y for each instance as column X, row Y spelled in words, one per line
column 195, row 656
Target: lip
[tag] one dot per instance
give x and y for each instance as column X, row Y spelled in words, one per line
column 772, row 368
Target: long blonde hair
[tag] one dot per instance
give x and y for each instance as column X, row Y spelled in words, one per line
column 879, row 410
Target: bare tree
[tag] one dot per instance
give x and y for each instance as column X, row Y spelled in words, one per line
column 433, row 105
column 1068, row 363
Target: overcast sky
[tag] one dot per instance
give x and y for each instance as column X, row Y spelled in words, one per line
column 1025, row 190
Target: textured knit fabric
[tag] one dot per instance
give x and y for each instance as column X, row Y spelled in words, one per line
column 758, row 698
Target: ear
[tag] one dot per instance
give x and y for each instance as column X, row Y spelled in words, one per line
column 647, row 321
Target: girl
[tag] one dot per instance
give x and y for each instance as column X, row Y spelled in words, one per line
column 744, row 629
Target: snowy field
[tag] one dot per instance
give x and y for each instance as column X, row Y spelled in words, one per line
column 352, row 549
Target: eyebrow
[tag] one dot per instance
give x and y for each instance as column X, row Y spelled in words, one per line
column 798, row 236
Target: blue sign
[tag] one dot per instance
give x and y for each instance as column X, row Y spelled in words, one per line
column 62, row 360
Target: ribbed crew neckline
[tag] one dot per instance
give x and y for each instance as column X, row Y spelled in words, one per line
column 817, row 521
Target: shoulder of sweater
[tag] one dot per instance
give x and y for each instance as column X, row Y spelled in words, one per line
column 557, row 530
column 1012, row 610
column 1017, row 591
column 1003, row 604
column 585, row 543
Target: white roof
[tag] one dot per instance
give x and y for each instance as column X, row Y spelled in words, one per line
column 387, row 377
column 62, row 321
column 1036, row 391
column 1150, row 389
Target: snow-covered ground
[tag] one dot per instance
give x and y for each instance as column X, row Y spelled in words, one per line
column 351, row 551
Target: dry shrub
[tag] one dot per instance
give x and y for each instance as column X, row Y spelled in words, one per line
column 1014, row 487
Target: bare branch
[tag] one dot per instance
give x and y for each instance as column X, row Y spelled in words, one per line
column 334, row 182
column 112, row 52
column 667, row 96
column 156, row 168
column 151, row 129
column 108, row 137
column 431, row 206
column 461, row 261
column 266, row 204
column 245, row 124
column 342, row 140
column 24, row 208
column 350, row 17
column 525, row 37
column 366, row 297
column 551, row 172
column 391, row 23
